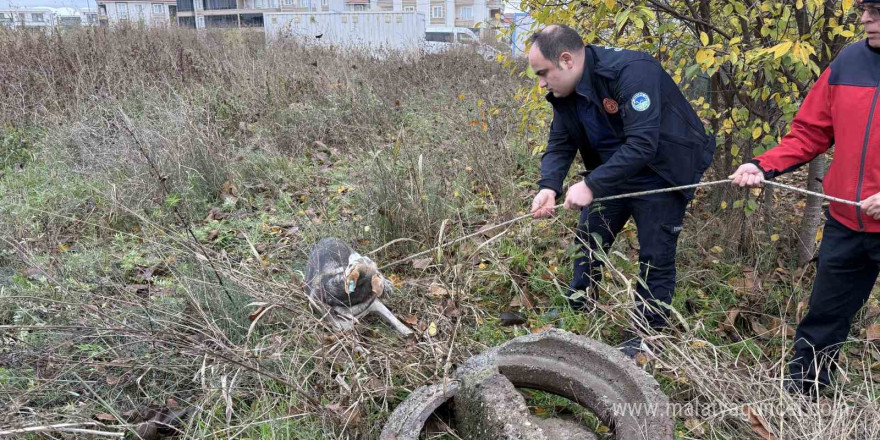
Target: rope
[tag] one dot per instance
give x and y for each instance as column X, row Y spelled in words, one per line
column 620, row 196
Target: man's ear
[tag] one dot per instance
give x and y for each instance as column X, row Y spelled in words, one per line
column 566, row 60
column 378, row 285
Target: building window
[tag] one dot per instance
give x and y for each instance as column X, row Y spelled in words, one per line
column 409, row 8
column 466, row 13
column 304, row 3
column 122, row 11
column 139, row 10
column 91, row 18
column 37, row 17
column 324, row 2
column 436, row 11
column 157, row 9
column 358, row 8
column 288, row 2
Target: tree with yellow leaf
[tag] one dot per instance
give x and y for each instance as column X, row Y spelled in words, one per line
column 745, row 64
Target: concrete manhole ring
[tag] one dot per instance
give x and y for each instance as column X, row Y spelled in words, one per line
column 585, row 371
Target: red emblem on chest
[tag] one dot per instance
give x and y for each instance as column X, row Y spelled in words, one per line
column 610, row 105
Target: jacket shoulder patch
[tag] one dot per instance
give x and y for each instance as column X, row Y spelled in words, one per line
column 640, row 102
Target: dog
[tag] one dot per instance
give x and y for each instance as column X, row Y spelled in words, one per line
column 349, row 284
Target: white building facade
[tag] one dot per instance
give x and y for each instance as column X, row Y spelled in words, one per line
column 148, row 13
column 43, row 18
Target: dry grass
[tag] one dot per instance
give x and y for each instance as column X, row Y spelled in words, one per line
column 108, row 305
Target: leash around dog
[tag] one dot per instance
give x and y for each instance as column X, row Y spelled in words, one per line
column 620, row 196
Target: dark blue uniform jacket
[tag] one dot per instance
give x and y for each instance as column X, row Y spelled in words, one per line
column 632, row 125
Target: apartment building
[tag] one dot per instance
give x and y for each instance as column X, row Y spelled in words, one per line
column 30, row 18
column 149, row 13
column 442, row 16
column 201, row 14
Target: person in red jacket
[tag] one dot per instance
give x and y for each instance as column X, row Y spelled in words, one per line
column 841, row 109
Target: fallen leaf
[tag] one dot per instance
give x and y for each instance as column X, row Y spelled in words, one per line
column 522, row 300
column 104, row 417
column 716, row 249
column 543, row 328
column 729, row 323
column 450, row 308
column 759, row 425
column 432, row 329
column 512, row 318
column 256, row 314
column 421, row 263
column 229, row 188
column 873, row 332
column 411, row 320
column 213, row 235
column 780, row 327
column 437, row 290
column 759, row 328
column 215, row 214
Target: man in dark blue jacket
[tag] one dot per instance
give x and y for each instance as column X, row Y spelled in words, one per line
column 635, row 131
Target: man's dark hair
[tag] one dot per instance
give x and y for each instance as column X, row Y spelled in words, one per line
column 553, row 40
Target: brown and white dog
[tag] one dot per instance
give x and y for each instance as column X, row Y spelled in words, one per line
column 349, row 284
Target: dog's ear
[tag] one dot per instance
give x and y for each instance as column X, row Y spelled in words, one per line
column 352, row 280
column 378, row 285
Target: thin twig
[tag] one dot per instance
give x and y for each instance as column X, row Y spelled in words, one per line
column 63, row 427
column 162, row 185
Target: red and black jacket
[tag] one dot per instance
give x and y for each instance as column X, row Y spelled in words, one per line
column 841, row 109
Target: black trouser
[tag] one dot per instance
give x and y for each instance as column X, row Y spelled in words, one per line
column 848, row 268
column 658, row 220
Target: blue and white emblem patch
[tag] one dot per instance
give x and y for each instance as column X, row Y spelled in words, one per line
column 640, row 101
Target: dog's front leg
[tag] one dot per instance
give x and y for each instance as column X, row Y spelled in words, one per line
column 380, row 309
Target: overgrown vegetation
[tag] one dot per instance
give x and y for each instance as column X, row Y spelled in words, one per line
column 178, row 285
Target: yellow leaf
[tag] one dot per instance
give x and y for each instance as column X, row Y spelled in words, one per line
column 847, row 5
column 432, row 329
column 603, row 429
column 774, row 237
column 756, row 133
column 704, row 39
column 716, row 249
column 479, row 103
column 723, row 205
column 706, row 57
column 461, row 97
column 63, row 247
column 819, row 234
column 781, row 49
column 610, row 3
